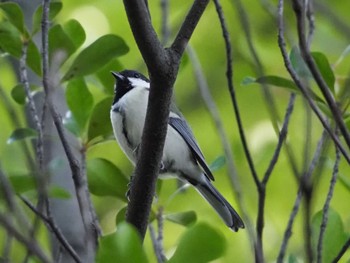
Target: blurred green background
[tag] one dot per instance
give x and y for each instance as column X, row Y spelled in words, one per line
column 106, row 16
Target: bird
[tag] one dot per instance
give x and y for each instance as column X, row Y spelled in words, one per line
column 182, row 156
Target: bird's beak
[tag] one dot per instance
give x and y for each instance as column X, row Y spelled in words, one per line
column 117, row 76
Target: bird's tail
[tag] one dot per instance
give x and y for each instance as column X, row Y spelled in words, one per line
column 220, row 204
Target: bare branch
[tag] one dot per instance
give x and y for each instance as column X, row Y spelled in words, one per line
column 157, row 241
column 300, row 85
column 342, row 251
column 164, row 4
column 30, row 244
column 300, row 9
column 326, row 205
column 54, row 228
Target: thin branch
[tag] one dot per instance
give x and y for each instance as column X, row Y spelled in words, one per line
column 326, row 206
column 300, row 85
column 157, row 241
column 54, row 228
column 214, row 112
column 300, row 9
column 297, row 202
column 311, row 20
column 342, row 251
column 164, row 4
column 30, row 244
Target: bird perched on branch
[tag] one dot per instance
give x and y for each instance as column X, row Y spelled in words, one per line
column 182, row 156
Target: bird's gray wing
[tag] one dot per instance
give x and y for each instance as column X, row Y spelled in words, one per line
column 184, row 130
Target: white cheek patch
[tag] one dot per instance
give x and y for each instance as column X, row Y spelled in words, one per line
column 139, row 83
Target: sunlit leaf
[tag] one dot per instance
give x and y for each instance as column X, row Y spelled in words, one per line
column 200, row 243
column 325, row 69
column 14, row 14
column 185, row 218
column 122, row 246
column 80, row 101
column 105, row 77
column 55, row 8
column 21, row 134
column 105, row 179
column 334, row 236
column 100, row 53
column 100, row 123
column 75, row 32
column 218, row 163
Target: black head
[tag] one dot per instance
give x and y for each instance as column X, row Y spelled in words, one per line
column 126, row 80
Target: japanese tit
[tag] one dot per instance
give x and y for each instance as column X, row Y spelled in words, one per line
column 182, row 156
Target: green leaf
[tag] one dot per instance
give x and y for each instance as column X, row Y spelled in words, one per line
column 105, row 179
column 100, row 123
column 325, row 69
column 58, row 192
column 345, row 181
column 105, row 77
column 10, row 39
column 100, row 53
column 200, row 243
column 120, row 216
column 14, row 15
column 80, row 101
column 345, row 53
column 185, row 218
column 21, row 134
column 298, row 63
column 75, row 32
column 334, row 236
column 55, row 8
column 60, row 41
column 22, row 183
column 18, row 94
column 122, row 246
column 34, row 58
column 218, row 163
column 71, row 124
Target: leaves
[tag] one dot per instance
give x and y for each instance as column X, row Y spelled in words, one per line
column 185, row 218
column 22, row 134
column 218, row 163
column 123, row 246
column 55, row 8
column 105, row 77
column 22, row 183
column 100, row 53
column 201, row 243
column 80, row 101
column 14, row 15
column 34, row 58
column 325, row 69
column 100, row 123
column 334, row 236
column 10, row 39
column 75, row 31
column 18, row 94
column 105, row 179
column 59, row 41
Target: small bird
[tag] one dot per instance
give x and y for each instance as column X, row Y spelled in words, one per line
column 182, row 156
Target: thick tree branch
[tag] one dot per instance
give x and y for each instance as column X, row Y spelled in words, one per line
column 162, row 66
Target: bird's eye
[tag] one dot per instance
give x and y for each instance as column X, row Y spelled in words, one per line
column 137, row 75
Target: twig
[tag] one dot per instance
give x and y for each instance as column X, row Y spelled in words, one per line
column 326, row 206
column 157, row 241
column 30, row 244
column 300, row 9
column 163, row 66
column 311, row 19
column 305, row 177
column 164, row 4
column 342, row 251
column 300, row 85
column 54, row 228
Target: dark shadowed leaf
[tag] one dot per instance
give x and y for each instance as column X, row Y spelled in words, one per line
column 185, row 218
column 21, row 134
column 59, row 41
column 298, row 63
column 100, row 123
column 22, row 183
column 75, row 32
column 105, row 77
column 105, row 179
column 55, row 8
column 325, row 69
column 199, row 244
column 18, row 94
column 334, row 236
column 218, row 163
column 14, row 15
column 122, row 246
column 10, row 39
column 34, row 58
column 100, row 53
column 80, row 101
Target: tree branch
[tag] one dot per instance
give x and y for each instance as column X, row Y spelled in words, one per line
column 162, row 66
